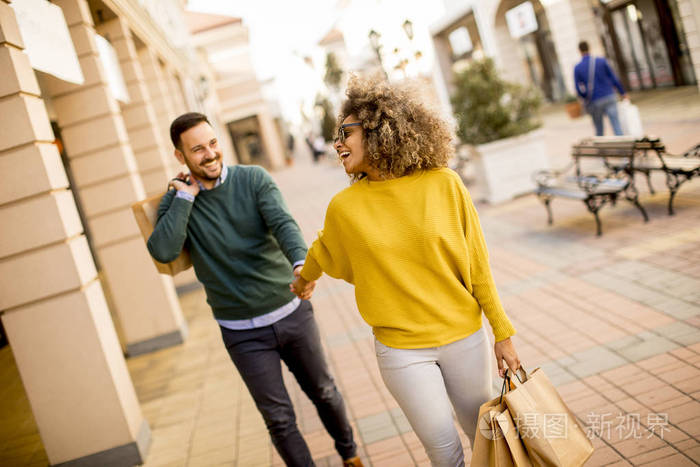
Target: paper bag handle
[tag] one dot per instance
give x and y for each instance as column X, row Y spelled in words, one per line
column 520, row 375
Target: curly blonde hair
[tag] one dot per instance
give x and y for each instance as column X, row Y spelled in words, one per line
column 401, row 135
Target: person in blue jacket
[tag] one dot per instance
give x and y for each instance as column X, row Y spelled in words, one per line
column 600, row 99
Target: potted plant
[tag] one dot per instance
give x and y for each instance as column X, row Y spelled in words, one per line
column 573, row 106
column 501, row 120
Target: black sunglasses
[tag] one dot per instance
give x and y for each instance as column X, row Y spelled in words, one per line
column 342, row 133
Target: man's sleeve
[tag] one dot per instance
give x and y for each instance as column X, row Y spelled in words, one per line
column 170, row 231
column 613, row 77
column 580, row 83
column 277, row 217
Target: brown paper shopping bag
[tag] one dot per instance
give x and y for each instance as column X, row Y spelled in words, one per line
column 146, row 212
column 497, row 443
column 550, row 432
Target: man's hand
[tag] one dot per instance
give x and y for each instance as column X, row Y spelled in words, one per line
column 180, row 185
column 301, row 287
column 625, row 97
column 505, row 350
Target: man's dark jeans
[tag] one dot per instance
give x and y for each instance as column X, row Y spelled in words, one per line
column 257, row 354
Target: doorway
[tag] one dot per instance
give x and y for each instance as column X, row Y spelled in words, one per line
column 648, row 44
column 531, row 54
column 247, row 141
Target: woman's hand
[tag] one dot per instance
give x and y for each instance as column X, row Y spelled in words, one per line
column 301, row 287
column 505, row 350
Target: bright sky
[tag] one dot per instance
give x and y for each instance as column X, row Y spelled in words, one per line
column 277, row 28
column 282, row 32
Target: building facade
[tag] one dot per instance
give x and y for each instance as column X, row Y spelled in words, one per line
column 650, row 43
column 84, row 119
column 249, row 118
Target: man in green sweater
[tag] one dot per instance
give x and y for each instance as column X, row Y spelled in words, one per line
column 246, row 249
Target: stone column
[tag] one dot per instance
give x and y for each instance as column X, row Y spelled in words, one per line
column 106, row 177
column 53, row 307
column 269, row 137
column 160, row 98
column 175, row 89
column 153, row 155
column 572, row 21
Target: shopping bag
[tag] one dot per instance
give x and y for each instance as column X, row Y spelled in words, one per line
column 146, row 212
column 574, row 109
column 496, row 443
column 550, row 432
column 630, row 121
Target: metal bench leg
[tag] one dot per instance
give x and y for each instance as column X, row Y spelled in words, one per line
column 641, row 208
column 633, row 197
column 672, row 183
column 651, row 188
column 598, row 226
column 670, row 202
column 594, row 205
column 547, row 204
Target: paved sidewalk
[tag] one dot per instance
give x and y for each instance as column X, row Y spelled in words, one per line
column 614, row 321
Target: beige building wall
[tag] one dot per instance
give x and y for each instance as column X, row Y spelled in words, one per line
column 51, row 302
column 146, row 138
column 160, row 99
column 175, row 89
column 106, row 176
column 234, row 83
column 271, row 140
column 572, row 21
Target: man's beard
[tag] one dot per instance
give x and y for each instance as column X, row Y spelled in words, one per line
column 201, row 173
column 210, row 177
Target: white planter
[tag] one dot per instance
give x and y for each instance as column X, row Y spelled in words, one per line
column 506, row 165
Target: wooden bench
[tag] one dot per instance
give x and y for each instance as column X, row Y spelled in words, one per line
column 595, row 189
column 652, row 156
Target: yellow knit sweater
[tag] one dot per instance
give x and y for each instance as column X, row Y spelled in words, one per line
column 414, row 249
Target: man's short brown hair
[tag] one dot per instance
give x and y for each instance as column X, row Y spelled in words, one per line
column 183, row 123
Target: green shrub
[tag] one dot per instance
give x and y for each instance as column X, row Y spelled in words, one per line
column 487, row 108
column 334, row 74
column 327, row 118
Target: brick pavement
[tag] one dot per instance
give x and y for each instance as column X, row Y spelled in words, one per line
column 614, row 321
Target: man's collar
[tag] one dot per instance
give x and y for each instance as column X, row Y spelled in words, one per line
column 219, row 181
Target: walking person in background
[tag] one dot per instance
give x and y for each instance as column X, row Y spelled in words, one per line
column 407, row 236
column 244, row 247
column 595, row 84
column 317, row 150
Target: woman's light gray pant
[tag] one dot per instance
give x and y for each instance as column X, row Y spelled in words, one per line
column 429, row 383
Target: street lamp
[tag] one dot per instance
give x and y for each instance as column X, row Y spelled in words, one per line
column 374, row 41
column 408, row 29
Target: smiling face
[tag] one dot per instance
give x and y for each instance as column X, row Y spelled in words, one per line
column 352, row 150
column 199, row 151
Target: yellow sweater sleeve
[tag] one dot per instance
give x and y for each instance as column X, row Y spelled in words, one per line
column 483, row 286
column 327, row 253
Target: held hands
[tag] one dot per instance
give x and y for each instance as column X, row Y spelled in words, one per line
column 505, row 350
column 301, row 287
column 179, row 183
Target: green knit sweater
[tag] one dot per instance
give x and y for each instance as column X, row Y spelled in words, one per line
column 241, row 238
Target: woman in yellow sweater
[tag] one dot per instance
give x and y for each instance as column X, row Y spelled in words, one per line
column 407, row 235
